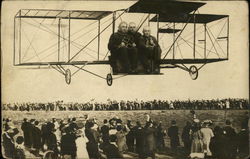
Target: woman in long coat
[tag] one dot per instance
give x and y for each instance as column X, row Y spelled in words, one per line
column 150, row 140
column 121, row 139
column 81, row 147
column 93, row 139
column 197, row 150
column 207, row 134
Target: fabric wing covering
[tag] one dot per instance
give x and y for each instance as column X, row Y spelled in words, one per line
column 172, row 7
column 190, row 18
column 64, row 14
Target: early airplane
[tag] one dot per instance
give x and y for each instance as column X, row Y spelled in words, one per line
column 170, row 18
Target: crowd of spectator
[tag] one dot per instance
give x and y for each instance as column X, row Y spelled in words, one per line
column 131, row 105
column 84, row 138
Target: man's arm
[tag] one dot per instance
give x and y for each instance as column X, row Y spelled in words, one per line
column 115, row 42
column 111, row 42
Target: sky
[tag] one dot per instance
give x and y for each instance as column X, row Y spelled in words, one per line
column 228, row 79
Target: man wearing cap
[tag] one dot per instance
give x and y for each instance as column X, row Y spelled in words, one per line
column 150, row 51
column 117, row 45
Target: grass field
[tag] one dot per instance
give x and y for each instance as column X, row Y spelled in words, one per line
column 181, row 116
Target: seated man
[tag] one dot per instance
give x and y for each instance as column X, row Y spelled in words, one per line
column 117, row 45
column 150, row 52
column 134, row 38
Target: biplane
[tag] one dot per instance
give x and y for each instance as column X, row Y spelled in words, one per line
column 189, row 51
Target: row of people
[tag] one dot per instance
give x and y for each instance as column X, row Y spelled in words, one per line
column 129, row 48
column 132, row 105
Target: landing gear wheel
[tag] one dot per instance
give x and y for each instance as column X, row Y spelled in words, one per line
column 109, row 79
column 68, row 76
column 193, row 72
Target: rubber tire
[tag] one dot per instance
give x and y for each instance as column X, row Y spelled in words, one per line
column 109, row 79
column 193, row 72
column 68, row 76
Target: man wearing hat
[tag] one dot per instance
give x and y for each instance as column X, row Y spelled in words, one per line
column 26, row 132
column 37, row 137
column 31, row 128
column 130, row 138
column 230, row 142
column 173, row 134
column 105, row 131
column 68, row 144
column 186, row 136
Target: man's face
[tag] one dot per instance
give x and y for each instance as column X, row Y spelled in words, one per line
column 123, row 27
column 132, row 27
column 146, row 32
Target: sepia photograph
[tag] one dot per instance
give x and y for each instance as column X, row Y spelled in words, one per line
column 125, row 79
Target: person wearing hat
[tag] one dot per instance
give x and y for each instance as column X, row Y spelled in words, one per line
column 160, row 137
column 31, row 129
column 37, row 137
column 19, row 148
column 230, row 142
column 121, row 138
column 44, row 133
column 139, row 139
column 186, row 136
column 26, row 132
column 207, row 134
column 130, row 138
column 93, row 140
column 81, row 148
column 8, row 143
column 111, row 149
column 150, row 140
column 197, row 150
column 243, row 141
column 105, row 131
column 51, row 143
column 68, row 144
column 174, row 136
